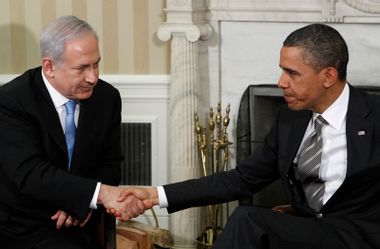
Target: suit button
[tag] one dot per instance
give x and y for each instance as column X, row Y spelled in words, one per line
column 319, row 216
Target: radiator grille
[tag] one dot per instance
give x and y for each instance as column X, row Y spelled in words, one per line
column 137, row 146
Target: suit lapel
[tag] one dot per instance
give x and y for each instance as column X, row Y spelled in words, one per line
column 359, row 132
column 84, row 131
column 49, row 113
column 296, row 133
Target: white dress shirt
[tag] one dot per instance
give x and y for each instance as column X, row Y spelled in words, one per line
column 59, row 102
column 334, row 151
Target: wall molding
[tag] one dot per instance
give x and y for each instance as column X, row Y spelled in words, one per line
column 338, row 11
column 155, row 87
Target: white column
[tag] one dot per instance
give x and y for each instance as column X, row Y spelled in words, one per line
column 184, row 225
column 184, row 102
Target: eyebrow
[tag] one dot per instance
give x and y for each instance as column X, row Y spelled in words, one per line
column 86, row 65
column 289, row 70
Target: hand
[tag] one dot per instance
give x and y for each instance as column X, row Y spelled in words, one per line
column 129, row 207
column 134, row 207
column 63, row 218
column 149, row 197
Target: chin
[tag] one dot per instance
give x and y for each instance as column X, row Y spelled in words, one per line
column 83, row 96
column 295, row 107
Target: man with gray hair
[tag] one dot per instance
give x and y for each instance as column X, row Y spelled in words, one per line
column 60, row 149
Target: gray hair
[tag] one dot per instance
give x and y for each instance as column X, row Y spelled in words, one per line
column 322, row 46
column 54, row 37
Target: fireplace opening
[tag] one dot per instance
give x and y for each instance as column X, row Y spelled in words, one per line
column 136, row 169
column 257, row 112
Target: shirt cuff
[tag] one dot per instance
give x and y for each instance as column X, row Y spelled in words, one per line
column 94, row 199
column 162, row 197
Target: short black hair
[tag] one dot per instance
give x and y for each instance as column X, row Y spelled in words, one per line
column 323, row 47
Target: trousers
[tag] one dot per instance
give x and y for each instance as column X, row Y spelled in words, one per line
column 252, row 227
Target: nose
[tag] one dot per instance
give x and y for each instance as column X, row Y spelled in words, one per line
column 282, row 81
column 92, row 76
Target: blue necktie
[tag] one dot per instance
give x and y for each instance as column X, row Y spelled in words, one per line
column 70, row 128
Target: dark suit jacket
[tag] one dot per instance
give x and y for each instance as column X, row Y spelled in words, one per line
column 34, row 179
column 354, row 210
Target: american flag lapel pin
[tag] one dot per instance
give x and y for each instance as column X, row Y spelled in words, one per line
column 361, row 133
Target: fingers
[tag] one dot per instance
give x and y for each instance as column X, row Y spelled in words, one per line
column 69, row 221
column 77, row 222
column 56, row 215
column 113, row 212
column 63, row 219
column 133, row 208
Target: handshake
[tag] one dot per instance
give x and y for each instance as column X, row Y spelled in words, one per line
column 129, row 202
column 123, row 203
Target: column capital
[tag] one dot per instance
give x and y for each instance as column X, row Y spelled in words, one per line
column 185, row 17
column 193, row 32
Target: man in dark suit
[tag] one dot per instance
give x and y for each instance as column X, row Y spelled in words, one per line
column 49, row 187
column 330, row 168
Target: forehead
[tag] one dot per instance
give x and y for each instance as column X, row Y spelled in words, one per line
column 291, row 56
column 291, row 53
column 294, row 58
column 84, row 47
column 86, row 40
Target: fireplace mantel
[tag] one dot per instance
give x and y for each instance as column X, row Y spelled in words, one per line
column 337, row 11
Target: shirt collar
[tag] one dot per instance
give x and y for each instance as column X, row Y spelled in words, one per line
column 58, row 98
column 336, row 114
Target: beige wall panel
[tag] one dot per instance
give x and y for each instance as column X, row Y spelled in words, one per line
column 95, row 19
column 19, row 32
column 141, row 36
column 158, row 60
column 33, row 23
column 110, row 37
column 63, row 7
column 5, row 37
column 125, row 30
column 79, row 8
column 47, row 7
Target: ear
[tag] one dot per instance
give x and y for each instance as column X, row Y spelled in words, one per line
column 330, row 76
column 48, row 67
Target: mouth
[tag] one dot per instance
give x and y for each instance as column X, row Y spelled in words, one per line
column 87, row 89
column 288, row 98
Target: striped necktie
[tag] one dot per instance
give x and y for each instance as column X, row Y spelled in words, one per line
column 70, row 128
column 309, row 166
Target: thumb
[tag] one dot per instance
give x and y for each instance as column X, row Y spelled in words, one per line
column 123, row 195
column 148, row 204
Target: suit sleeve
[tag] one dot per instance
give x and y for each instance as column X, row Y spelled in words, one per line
column 252, row 174
column 108, row 170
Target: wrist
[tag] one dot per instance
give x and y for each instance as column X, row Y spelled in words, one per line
column 153, row 196
column 103, row 193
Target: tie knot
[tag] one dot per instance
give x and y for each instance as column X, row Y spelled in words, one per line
column 319, row 123
column 70, row 106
